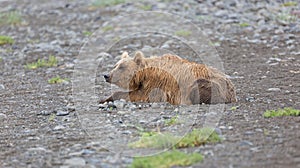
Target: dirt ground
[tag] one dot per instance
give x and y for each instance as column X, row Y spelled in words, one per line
column 264, row 68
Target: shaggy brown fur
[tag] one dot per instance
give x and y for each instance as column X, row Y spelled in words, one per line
column 169, row 78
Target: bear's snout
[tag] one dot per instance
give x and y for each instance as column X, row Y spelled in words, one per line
column 106, row 77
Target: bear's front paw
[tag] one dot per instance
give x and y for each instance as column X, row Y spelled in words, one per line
column 102, row 101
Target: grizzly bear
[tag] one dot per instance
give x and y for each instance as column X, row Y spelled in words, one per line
column 168, row 78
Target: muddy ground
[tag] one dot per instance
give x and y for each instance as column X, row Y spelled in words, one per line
column 43, row 126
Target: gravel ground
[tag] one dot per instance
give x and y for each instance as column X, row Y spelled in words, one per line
column 49, row 125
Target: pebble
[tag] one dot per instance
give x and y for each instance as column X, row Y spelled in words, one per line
column 218, row 131
column 58, row 127
column 119, row 104
column 2, row 87
column 155, row 105
column 70, row 108
column 62, row 113
column 246, row 143
column 221, row 13
column 274, row 89
column 249, row 133
column 250, row 99
column 258, row 130
column 102, row 106
column 2, row 116
column 76, row 161
column 126, row 132
column 142, row 121
column 44, row 113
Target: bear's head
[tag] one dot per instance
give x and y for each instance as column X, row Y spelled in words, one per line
column 125, row 69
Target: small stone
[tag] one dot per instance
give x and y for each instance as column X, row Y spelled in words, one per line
column 295, row 53
column 2, row 87
column 248, row 133
column 221, row 13
column 45, row 113
column 155, row 105
column 2, row 116
column 279, row 31
column 289, row 42
column 208, row 153
column 246, row 143
column 127, row 132
column 58, row 127
column 218, row 131
column 119, row 104
column 62, row 113
column 230, row 127
column 69, row 65
column 274, row 89
column 122, row 112
column 70, row 108
column 254, row 41
column 76, row 161
column 142, row 122
column 102, row 106
column 258, row 130
column 250, row 99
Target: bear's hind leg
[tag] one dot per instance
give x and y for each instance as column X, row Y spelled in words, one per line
column 206, row 91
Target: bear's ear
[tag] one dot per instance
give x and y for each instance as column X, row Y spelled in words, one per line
column 139, row 58
column 124, row 55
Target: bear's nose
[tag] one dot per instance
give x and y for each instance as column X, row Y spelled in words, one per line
column 106, row 77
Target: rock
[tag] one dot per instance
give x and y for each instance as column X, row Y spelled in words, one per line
column 258, row 130
column 155, row 105
column 254, row 41
column 2, row 87
column 102, row 106
column 119, row 104
column 70, row 108
column 58, row 127
column 62, row 113
column 44, row 112
column 230, row 127
column 126, row 132
column 250, row 99
column 69, row 65
column 221, row 13
column 76, row 161
column 218, row 131
column 295, row 53
column 289, row 42
column 142, row 121
column 2, row 116
column 274, row 89
column 246, row 143
column 249, row 133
